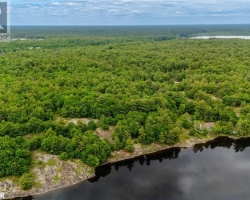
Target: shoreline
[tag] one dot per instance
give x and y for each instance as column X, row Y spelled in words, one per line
column 148, row 149
column 44, row 192
column 157, row 147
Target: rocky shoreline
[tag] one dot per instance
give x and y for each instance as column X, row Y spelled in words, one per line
column 50, row 174
column 58, row 174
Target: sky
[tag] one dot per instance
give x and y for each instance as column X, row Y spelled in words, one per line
column 129, row 12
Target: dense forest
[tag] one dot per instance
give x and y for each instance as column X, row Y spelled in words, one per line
column 153, row 84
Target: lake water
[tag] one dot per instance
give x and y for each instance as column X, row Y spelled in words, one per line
column 222, row 37
column 219, row 169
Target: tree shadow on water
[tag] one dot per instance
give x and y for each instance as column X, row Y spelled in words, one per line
column 105, row 170
column 238, row 145
column 23, row 198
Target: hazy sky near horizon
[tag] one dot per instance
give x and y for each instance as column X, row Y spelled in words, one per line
column 129, row 12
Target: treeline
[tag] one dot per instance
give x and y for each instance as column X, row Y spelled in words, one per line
column 48, row 37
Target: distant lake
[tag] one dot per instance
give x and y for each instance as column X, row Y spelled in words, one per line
column 222, row 37
column 217, row 170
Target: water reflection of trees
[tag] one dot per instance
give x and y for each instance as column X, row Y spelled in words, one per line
column 101, row 172
column 238, row 145
column 169, row 154
column 23, row 198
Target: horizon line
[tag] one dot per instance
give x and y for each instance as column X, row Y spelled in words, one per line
column 132, row 24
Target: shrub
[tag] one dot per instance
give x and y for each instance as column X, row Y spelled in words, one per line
column 26, row 181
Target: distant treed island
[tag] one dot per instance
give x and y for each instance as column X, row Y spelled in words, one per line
column 85, row 92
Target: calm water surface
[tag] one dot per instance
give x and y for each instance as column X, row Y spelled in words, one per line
column 216, row 170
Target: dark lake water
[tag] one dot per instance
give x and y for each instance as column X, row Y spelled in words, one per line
column 219, row 169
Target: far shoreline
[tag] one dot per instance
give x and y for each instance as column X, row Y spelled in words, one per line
column 221, row 37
